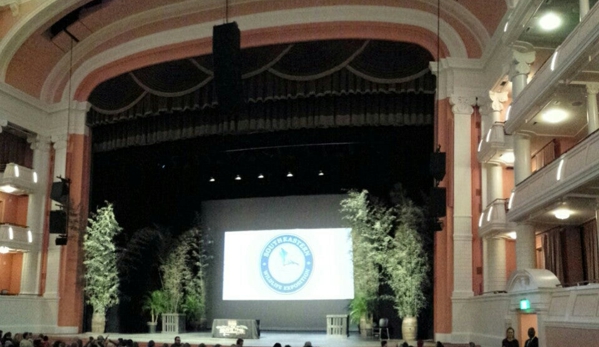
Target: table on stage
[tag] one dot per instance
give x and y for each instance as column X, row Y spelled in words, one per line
column 236, row 328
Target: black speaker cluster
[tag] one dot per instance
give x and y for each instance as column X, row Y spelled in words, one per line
column 437, row 194
column 226, row 55
column 59, row 218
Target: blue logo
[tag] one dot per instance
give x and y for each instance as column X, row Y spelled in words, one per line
column 286, row 264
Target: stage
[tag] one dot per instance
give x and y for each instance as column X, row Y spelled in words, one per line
column 267, row 339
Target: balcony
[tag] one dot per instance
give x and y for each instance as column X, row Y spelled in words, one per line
column 496, row 147
column 493, row 220
column 18, row 180
column 560, row 83
column 564, row 192
column 19, row 238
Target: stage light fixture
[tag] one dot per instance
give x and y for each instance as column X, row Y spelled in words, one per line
column 237, row 178
column 289, row 174
column 211, row 179
column 260, row 176
column 320, row 173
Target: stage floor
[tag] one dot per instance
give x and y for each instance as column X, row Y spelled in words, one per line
column 267, row 339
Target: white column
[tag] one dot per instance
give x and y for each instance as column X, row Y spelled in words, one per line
column 53, row 264
column 522, row 166
column 592, row 112
column 494, row 182
column 30, row 273
column 525, row 247
column 462, row 196
column 495, row 266
column 584, row 8
column 523, row 56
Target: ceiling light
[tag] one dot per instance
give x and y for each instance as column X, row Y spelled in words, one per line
column 550, row 21
column 512, row 235
column 8, row 189
column 237, row 178
column 260, row 176
column 4, row 250
column 17, row 171
column 562, row 213
column 508, row 157
column 34, row 177
column 289, row 174
column 320, row 173
column 554, row 116
column 29, row 236
column 10, row 233
column 211, row 179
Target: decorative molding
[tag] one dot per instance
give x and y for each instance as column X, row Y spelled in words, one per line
column 523, row 55
column 60, row 141
column 3, row 123
column 39, row 143
column 462, row 104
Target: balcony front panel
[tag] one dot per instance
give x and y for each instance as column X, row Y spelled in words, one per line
column 494, row 145
column 573, row 175
column 493, row 221
column 18, row 180
column 20, row 238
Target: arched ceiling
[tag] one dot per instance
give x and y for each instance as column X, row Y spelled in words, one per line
column 116, row 36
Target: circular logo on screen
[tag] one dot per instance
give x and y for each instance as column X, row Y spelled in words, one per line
column 286, row 264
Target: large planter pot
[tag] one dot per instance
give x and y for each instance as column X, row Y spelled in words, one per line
column 409, row 328
column 152, row 327
column 98, row 323
column 173, row 323
column 366, row 326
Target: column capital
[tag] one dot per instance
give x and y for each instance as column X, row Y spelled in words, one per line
column 3, row 123
column 523, row 55
column 592, row 88
column 60, row 141
column 492, row 102
column 39, row 143
column 462, row 104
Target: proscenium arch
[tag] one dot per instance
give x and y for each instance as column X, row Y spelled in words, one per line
column 395, row 24
column 264, row 37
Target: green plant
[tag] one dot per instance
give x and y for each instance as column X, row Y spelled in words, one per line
column 194, row 302
column 174, row 274
column 155, row 303
column 100, row 260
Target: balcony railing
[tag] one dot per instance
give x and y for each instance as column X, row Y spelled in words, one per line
column 496, row 146
column 493, row 220
column 570, row 173
column 19, row 238
column 543, row 156
column 18, row 180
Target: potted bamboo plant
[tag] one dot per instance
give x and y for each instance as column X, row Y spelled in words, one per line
column 156, row 304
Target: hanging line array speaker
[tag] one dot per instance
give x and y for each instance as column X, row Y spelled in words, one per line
column 226, row 55
column 60, row 192
column 438, row 202
column 58, row 222
column 437, row 165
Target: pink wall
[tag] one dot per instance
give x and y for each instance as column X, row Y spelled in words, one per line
column 573, row 255
column 15, row 209
column 510, row 257
column 10, row 272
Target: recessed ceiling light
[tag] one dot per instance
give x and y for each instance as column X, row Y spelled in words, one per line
column 289, row 174
column 550, row 21
column 554, row 116
column 320, row 173
column 237, row 178
column 260, row 176
column 212, row 179
column 562, row 213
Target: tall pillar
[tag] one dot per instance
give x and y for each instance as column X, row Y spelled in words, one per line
column 592, row 112
column 462, row 196
column 522, row 165
column 36, row 208
column 583, row 5
column 494, row 267
column 523, row 56
column 53, row 261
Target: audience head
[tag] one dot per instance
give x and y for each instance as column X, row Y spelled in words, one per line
column 531, row 332
column 177, row 340
column 404, row 344
column 218, row 345
column 165, row 345
column 277, row 345
column 471, row 344
column 239, row 342
column 384, row 343
column 509, row 333
column 439, row 344
column 186, row 344
column 420, row 343
column 308, row 344
column 151, row 343
column 202, row 344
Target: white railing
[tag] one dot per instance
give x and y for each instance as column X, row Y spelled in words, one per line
column 18, row 180
column 574, row 169
column 20, row 238
column 495, row 143
column 493, row 219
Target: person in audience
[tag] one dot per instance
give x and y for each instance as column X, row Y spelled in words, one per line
column 440, row 344
column 45, row 341
column 177, row 342
column 184, row 345
column 151, row 343
column 7, row 340
column 165, row 345
column 532, row 341
column 239, row 343
column 277, row 345
column 384, row 343
column 218, row 345
column 202, row 344
column 287, row 345
column 26, row 342
column 308, row 344
column 510, row 340
column 471, row 344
